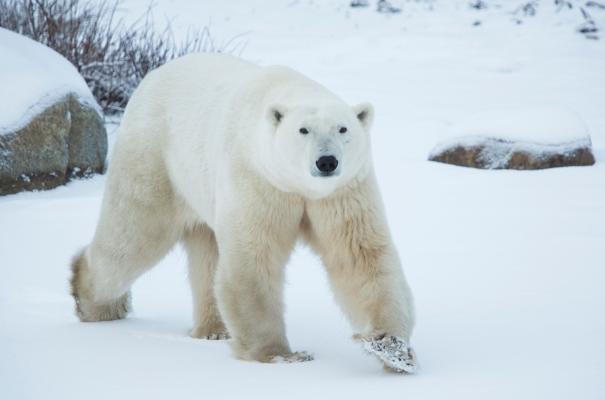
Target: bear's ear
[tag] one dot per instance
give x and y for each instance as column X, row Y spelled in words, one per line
column 365, row 114
column 275, row 114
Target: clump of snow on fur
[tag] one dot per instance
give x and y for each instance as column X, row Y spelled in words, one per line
column 36, row 77
column 393, row 351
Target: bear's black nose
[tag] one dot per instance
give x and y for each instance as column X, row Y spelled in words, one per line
column 327, row 164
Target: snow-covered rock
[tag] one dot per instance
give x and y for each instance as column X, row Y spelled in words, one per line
column 50, row 125
column 531, row 138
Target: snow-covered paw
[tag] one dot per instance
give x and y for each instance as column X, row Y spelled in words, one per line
column 393, row 351
column 295, row 357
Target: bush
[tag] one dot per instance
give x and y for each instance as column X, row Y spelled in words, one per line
column 529, row 8
column 111, row 57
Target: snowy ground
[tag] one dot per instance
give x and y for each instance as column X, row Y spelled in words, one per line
column 507, row 267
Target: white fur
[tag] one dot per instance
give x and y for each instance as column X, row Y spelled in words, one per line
column 210, row 154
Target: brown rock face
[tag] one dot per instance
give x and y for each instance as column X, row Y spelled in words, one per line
column 87, row 140
column 492, row 153
column 66, row 139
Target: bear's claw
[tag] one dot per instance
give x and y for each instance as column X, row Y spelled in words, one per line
column 209, row 334
column 393, row 351
column 218, row 336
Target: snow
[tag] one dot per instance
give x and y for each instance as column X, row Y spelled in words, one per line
column 506, row 266
column 536, row 124
column 33, row 77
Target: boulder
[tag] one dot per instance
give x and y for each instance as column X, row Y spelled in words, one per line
column 525, row 138
column 51, row 128
column 66, row 140
column 496, row 153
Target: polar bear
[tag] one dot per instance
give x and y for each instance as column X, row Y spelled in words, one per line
column 238, row 162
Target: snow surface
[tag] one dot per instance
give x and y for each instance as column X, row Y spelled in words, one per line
column 33, row 77
column 536, row 124
column 506, row 266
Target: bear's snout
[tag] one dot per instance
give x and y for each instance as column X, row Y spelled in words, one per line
column 327, row 164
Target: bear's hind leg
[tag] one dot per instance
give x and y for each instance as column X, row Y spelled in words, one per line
column 131, row 237
column 202, row 255
column 89, row 311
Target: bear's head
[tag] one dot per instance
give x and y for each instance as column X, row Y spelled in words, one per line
column 315, row 149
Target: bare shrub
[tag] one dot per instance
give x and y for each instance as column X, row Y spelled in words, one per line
column 529, row 8
column 112, row 57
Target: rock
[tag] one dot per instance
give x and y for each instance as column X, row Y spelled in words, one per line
column 495, row 153
column 531, row 137
column 51, row 128
column 66, row 140
column 87, row 140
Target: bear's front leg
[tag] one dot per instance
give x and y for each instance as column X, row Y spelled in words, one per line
column 372, row 289
column 254, row 245
column 350, row 233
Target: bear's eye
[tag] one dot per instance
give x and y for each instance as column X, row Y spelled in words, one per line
column 304, row 131
column 343, row 130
